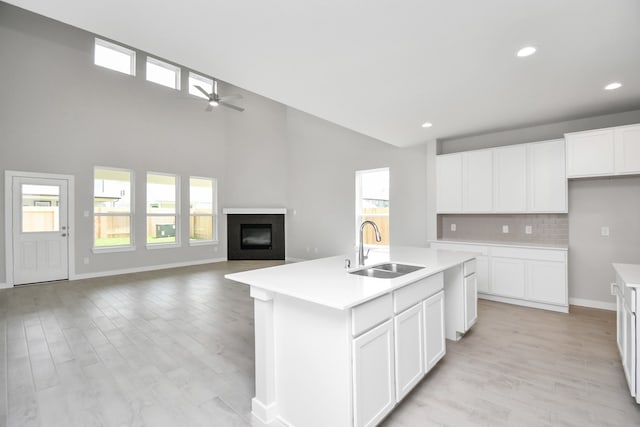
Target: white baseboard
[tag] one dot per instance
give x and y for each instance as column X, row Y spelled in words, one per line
column 145, row 268
column 5, row 286
column 593, row 304
column 525, row 303
column 292, row 259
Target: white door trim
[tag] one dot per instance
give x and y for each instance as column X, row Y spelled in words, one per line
column 8, row 219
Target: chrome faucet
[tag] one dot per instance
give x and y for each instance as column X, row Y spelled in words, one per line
column 361, row 255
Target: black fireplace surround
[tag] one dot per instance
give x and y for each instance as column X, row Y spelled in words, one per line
column 255, row 236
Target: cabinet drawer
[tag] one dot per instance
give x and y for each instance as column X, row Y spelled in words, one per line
column 469, row 267
column 371, row 313
column 529, row 254
column 415, row 292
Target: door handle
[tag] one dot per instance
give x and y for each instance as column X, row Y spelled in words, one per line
column 64, row 234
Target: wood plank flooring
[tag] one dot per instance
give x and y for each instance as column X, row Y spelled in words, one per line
column 175, row 348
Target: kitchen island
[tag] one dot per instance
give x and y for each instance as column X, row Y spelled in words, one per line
column 339, row 349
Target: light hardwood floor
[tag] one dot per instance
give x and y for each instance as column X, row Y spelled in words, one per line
column 175, row 348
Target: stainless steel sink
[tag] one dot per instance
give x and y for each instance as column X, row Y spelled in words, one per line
column 387, row 271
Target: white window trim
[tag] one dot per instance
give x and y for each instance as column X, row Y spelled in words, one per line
column 177, row 70
column 131, row 53
column 164, row 245
column 358, row 217
column 204, row 80
column 120, row 248
column 214, row 215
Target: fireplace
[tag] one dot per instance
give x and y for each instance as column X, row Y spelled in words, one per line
column 255, row 234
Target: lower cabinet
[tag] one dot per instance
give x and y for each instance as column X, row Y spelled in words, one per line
column 507, row 277
column 470, row 300
column 374, row 375
column 627, row 324
column 410, row 349
column 434, row 330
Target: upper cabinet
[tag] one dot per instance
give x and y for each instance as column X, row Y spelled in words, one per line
column 603, row 152
column 523, row 178
column 477, row 181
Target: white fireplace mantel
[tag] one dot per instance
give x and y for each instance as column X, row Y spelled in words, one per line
column 254, row 211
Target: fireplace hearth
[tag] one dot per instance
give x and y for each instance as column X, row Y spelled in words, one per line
column 252, row 235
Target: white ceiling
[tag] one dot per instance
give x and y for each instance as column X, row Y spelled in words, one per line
column 383, row 67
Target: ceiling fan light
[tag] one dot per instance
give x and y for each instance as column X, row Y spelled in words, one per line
column 526, row 51
column 213, row 103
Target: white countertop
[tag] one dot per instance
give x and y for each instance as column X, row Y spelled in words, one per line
column 630, row 273
column 325, row 281
column 526, row 245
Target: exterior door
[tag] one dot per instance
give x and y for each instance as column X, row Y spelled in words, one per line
column 40, row 230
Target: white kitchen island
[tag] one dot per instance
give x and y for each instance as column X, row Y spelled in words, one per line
column 338, row 349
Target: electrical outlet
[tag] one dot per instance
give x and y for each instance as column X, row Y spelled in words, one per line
column 505, row 229
column 85, row 260
column 604, row 231
column 85, row 214
column 528, row 229
column 453, row 227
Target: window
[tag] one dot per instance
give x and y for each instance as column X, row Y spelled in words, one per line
column 202, row 210
column 112, row 201
column 372, row 204
column 203, row 82
column 162, row 73
column 162, row 208
column 114, row 57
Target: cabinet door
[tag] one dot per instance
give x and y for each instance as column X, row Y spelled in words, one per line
column 470, row 301
column 477, row 181
column 627, row 149
column 409, row 347
column 590, row 153
column 508, row 277
column 629, row 359
column 482, row 273
column 434, row 330
column 547, row 281
column 510, row 179
column 547, row 177
column 449, row 183
column 373, row 375
column 620, row 332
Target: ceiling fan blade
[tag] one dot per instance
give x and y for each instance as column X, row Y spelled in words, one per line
column 204, row 92
column 232, row 96
column 209, row 108
column 231, row 106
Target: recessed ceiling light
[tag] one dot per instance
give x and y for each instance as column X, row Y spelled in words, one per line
column 526, row 51
column 612, row 86
column 427, row 125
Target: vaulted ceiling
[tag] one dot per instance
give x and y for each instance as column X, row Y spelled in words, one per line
column 384, row 67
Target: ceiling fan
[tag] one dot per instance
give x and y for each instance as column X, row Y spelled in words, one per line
column 215, row 99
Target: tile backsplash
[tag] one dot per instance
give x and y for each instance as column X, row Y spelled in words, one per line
column 545, row 228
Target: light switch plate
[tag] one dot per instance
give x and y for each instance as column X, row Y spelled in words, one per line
column 505, row 229
column 528, row 229
column 604, row 231
column 453, row 227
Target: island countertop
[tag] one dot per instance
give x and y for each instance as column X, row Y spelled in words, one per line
column 630, row 273
column 326, row 282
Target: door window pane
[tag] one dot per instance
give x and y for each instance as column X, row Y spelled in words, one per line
column 112, row 230
column 40, row 208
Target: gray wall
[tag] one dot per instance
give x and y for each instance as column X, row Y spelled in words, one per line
column 592, row 203
column 59, row 113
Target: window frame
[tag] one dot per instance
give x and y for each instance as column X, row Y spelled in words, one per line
column 196, row 92
column 166, row 65
column 358, row 207
column 214, row 213
column 163, row 245
column 118, row 48
column 115, row 248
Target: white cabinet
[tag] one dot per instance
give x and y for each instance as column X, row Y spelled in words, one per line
column 547, row 178
column 510, row 178
column 627, row 149
column 507, row 277
column 533, row 277
column 629, row 356
column 449, row 182
column 470, row 301
column 409, row 349
column 604, row 152
column 434, row 330
column 373, row 372
column 477, row 181
column 546, row 281
column 590, row 153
